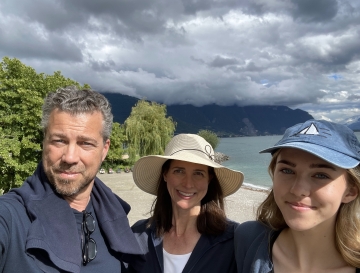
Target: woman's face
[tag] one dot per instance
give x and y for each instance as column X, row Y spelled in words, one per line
column 309, row 190
column 187, row 184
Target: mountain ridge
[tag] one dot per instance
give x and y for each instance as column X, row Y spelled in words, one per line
column 225, row 121
column 353, row 123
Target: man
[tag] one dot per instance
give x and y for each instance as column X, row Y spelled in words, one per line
column 63, row 218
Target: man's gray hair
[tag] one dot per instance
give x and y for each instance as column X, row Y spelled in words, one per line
column 74, row 101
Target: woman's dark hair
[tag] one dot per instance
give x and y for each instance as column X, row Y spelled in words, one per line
column 212, row 218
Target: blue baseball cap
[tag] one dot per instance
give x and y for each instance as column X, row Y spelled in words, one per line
column 332, row 142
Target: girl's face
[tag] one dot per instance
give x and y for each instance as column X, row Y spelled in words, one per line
column 187, row 184
column 309, row 190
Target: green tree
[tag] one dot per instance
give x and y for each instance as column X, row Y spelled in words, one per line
column 148, row 130
column 210, row 137
column 117, row 140
column 22, row 93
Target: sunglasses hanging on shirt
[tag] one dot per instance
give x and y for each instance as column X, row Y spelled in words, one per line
column 88, row 244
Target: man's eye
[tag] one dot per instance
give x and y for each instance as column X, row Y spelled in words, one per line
column 86, row 143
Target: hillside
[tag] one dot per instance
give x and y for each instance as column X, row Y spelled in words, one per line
column 224, row 120
column 353, row 123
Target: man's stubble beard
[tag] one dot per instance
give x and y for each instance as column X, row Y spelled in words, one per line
column 64, row 187
column 67, row 187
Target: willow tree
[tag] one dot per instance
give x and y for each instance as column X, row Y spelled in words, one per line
column 22, row 93
column 148, row 129
column 117, row 140
column 210, row 137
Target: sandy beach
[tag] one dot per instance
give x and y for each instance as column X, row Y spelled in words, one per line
column 239, row 206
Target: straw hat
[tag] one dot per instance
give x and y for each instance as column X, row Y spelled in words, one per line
column 186, row 147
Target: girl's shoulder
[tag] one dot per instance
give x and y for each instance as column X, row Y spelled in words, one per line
column 251, row 228
column 252, row 241
column 252, row 232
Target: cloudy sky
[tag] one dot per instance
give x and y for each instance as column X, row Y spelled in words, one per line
column 300, row 53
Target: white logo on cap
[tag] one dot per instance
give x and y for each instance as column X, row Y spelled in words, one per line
column 311, row 130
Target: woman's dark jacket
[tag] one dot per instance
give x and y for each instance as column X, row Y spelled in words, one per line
column 211, row 253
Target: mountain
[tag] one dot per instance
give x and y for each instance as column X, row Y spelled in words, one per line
column 352, row 122
column 121, row 105
column 224, row 120
column 236, row 120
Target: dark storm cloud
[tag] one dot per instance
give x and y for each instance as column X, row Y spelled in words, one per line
column 354, row 98
column 25, row 42
column 102, row 66
column 125, row 18
column 200, row 61
column 193, row 6
column 213, row 7
column 220, row 61
column 314, row 11
column 251, row 66
column 306, row 11
column 340, row 52
column 277, row 52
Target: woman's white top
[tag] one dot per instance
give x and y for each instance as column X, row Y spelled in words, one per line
column 174, row 263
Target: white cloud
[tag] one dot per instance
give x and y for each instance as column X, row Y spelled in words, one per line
column 278, row 52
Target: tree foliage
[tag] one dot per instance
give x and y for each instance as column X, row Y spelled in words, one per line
column 22, row 93
column 148, row 130
column 117, row 140
column 210, row 137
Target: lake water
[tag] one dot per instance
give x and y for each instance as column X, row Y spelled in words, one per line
column 244, row 156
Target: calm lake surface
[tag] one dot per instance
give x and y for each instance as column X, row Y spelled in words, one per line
column 244, row 156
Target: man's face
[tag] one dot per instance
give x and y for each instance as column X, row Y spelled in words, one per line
column 73, row 150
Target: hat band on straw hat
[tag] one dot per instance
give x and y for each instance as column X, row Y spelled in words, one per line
column 212, row 157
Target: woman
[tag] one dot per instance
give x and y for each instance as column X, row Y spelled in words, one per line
column 188, row 230
column 309, row 222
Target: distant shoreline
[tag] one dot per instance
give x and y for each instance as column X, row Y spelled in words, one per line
column 232, row 136
column 252, row 187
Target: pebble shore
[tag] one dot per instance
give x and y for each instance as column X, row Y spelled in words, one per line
column 240, row 206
